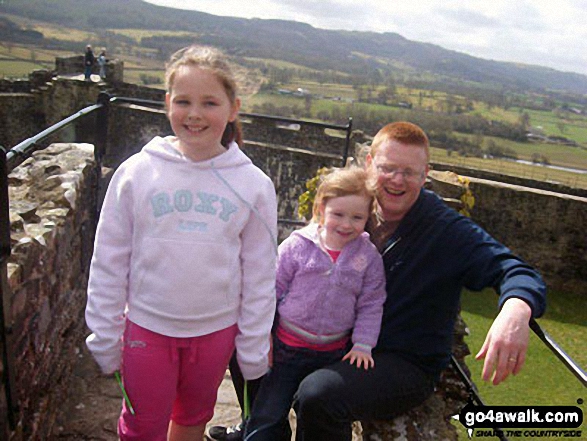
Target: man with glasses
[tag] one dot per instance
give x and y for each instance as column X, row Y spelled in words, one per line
column 430, row 253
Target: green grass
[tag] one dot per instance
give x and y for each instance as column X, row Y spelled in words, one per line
column 279, row 64
column 575, row 126
column 515, row 169
column 134, row 76
column 544, row 380
column 18, row 69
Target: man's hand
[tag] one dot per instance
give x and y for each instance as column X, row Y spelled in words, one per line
column 362, row 358
column 505, row 346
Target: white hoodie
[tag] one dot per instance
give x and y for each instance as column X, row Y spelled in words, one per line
column 184, row 249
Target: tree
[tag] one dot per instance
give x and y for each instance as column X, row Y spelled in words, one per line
column 524, row 120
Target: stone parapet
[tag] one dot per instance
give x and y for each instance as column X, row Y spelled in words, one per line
column 52, row 221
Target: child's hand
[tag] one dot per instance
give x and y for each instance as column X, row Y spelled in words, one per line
column 362, row 358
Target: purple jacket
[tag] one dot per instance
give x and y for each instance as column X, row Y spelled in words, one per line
column 324, row 298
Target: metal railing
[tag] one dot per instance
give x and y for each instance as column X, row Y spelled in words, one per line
column 14, row 157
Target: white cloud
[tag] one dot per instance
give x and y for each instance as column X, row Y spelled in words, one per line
column 543, row 32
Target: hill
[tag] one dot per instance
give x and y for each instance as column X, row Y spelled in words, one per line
column 351, row 52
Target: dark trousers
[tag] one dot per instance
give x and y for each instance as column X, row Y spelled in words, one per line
column 269, row 418
column 238, row 382
column 330, row 399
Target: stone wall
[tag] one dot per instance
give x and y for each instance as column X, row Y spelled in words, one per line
column 31, row 106
column 311, row 137
column 547, row 229
column 544, row 228
column 52, row 216
column 515, row 180
column 75, row 65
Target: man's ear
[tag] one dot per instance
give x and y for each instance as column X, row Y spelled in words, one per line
column 368, row 160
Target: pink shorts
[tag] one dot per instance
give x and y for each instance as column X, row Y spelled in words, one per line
column 168, row 378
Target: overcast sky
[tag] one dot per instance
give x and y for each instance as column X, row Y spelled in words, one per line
column 550, row 33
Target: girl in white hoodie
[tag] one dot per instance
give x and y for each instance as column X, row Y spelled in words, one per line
column 184, row 260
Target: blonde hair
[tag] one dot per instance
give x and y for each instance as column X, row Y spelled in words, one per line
column 404, row 133
column 213, row 60
column 343, row 182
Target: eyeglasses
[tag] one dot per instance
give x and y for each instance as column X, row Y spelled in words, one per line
column 390, row 172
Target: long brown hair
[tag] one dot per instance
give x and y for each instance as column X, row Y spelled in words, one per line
column 214, row 61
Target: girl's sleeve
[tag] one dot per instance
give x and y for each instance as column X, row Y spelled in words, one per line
column 286, row 267
column 257, row 308
column 109, row 270
column 369, row 305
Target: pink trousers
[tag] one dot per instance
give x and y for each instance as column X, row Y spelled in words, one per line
column 168, row 378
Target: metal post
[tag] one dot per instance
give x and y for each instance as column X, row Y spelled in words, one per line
column 102, row 120
column 102, row 127
column 349, row 129
column 565, row 358
column 5, row 311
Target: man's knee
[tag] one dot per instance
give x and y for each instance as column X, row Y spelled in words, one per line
column 317, row 395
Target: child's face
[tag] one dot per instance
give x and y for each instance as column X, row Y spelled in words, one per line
column 198, row 110
column 343, row 219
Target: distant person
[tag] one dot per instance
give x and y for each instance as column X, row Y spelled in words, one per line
column 102, row 63
column 88, row 63
column 330, row 292
column 184, row 262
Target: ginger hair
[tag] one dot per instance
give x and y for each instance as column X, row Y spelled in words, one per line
column 404, row 133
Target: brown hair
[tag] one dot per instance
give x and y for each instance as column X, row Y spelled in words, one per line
column 214, row 61
column 342, row 182
column 402, row 132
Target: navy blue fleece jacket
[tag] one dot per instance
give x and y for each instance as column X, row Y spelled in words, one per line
column 432, row 255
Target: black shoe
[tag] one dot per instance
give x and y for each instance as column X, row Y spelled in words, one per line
column 221, row 433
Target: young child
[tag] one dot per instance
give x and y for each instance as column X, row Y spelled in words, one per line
column 330, row 292
column 184, row 260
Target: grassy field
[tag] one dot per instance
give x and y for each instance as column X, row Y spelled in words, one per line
column 544, row 379
column 512, row 168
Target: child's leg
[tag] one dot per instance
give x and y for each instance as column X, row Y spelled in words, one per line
column 178, row 432
column 150, row 376
column 269, row 417
column 203, row 363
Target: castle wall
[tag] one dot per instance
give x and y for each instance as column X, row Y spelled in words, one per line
column 545, row 228
column 52, row 216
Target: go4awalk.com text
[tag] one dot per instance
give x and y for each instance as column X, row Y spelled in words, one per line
column 522, row 421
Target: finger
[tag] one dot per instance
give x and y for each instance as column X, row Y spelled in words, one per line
column 489, row 365
column 367, row 362
column 483, row 351
column 347, row 356
column 505, row 365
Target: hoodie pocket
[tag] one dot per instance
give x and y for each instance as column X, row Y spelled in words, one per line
column 188, row 278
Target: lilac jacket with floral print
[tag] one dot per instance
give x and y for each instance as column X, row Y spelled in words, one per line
column 325, row 298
